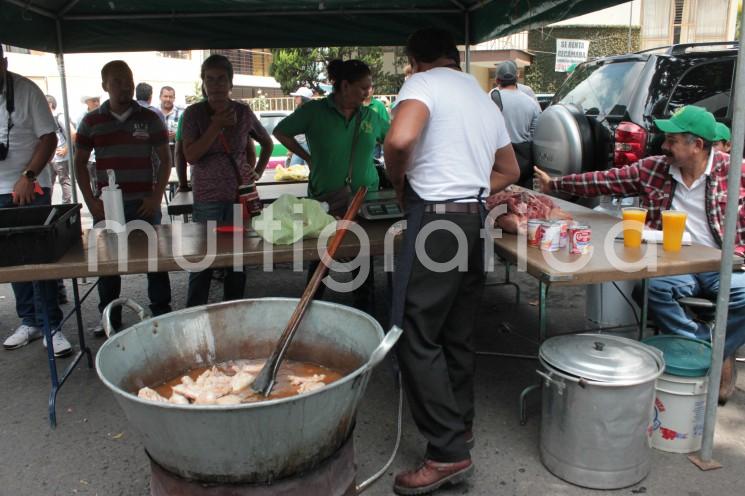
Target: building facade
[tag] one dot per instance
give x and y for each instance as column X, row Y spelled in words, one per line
column 178, row 69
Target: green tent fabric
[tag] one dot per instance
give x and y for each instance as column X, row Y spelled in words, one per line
column 131, row 25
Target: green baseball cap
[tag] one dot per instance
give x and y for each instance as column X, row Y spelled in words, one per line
column 690, row 119
column 723, row 133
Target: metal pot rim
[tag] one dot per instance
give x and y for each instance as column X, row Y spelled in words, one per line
column 592, row 382
column 242, row 406
column 653, row 353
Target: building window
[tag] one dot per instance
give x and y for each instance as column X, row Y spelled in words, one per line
column 176, row 54
column 677, row 21
column 249, row 62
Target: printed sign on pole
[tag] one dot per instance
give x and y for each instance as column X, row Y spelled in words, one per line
column 570, row 52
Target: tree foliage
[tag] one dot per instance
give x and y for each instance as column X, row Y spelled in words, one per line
column 295, row 67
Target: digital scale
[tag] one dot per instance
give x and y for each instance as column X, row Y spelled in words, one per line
column 379, row 205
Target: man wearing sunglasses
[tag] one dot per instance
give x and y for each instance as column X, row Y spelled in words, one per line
column 27, row 142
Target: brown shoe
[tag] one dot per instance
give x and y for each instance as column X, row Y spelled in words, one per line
column 470, row 439
column 432, row 475
column 728, row 381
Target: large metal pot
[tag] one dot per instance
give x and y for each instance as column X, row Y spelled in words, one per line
column 256, row 442
column 598, row 396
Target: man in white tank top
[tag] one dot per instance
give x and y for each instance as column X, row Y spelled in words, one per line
column 446, row 149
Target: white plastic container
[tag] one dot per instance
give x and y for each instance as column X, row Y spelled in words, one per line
column 679, row 411
column 113, row 204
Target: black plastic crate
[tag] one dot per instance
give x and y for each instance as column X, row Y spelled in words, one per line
column 24, row 239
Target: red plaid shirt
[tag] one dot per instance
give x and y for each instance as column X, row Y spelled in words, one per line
column 651, row 181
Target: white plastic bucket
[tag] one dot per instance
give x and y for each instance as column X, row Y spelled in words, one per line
column 679, row 410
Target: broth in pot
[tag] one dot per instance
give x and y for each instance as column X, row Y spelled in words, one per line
column 229, row 383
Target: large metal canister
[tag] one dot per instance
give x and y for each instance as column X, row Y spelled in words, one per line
column 256, row 442
column 598, row 398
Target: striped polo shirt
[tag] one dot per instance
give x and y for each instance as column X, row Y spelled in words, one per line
column 124, row 146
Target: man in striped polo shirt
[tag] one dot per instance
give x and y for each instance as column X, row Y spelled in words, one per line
column 124, row 136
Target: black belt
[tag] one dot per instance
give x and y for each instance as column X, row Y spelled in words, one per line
column 453, row 208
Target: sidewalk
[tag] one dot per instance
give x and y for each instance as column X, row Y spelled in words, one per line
column 94, row 451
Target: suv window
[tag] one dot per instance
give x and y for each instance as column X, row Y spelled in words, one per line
column 271, row 120
column 597, row 88
column 706, row 85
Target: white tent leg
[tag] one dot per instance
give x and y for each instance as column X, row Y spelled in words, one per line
column 70, row 145
column 704, row 457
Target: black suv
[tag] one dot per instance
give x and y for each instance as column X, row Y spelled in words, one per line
column 603, row 115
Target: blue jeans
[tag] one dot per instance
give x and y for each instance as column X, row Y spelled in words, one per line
column 670, row 316
column 158, row 283
column 199, row 282
column 30, row 296
column 296, row 160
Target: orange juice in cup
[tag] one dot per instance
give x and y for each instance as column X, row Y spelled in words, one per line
column 632, row 231
column 673, row 226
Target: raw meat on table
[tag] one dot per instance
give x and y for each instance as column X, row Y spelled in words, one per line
column 523, row 205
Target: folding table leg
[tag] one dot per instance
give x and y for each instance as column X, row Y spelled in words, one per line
column 542, row 310
column 79, row 318
column 47, row 331
column 645, row 309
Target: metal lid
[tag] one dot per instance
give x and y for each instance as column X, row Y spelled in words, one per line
column 602, row 358
column 684, row 357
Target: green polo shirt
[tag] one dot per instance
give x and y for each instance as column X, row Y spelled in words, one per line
column 180, row 127
column 329, row 135
column 379, row 107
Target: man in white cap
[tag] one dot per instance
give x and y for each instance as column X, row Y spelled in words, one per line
column 91, row 102
column 302, row 95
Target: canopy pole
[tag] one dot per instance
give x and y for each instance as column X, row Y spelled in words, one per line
column 467, row 48
column 703, row 459
column 70, row 145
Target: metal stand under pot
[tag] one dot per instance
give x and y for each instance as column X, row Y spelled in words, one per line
column 335, row 476
column 598, row 398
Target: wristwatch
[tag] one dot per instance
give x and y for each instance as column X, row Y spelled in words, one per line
column 29, row 174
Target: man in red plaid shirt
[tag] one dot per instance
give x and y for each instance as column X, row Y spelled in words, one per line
column 689, row 177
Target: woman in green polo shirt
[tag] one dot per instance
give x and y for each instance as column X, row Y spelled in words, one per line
column 329, row 126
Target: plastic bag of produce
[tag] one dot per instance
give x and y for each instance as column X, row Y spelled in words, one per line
column 290, row 219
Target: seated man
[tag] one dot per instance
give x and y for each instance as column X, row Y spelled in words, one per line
column 691, row 177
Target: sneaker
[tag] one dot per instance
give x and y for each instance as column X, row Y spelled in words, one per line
column 432, row 475
column 22, row 336
column 62, row 346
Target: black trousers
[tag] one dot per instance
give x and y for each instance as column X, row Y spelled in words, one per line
column 435, row 352
column 364, row 296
